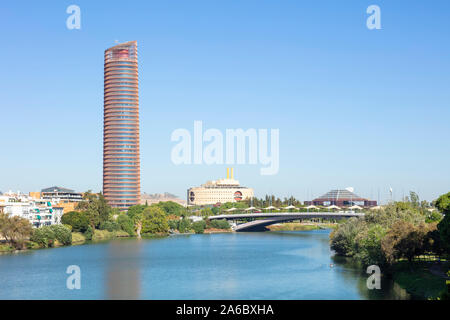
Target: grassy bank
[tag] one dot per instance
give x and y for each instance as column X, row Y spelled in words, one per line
column 297, row 226
column 215, row 230
column 4, row 248
column 105, row 235
column 77, row 239
column 417, row 279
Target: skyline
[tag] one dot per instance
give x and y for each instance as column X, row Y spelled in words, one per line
column 317, row 74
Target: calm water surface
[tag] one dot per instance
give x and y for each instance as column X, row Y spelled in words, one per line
column 282, row 265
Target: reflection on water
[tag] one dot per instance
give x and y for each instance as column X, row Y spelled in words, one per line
column 123, row 279
column 271, row 265
column 389, row 289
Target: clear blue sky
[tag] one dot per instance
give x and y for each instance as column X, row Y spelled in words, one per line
column 355, row 107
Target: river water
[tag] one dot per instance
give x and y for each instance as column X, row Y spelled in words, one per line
column 269, row 265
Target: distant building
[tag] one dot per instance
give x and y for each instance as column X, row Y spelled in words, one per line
column 40, row 212
column 341, row 198
column 222, row 190
column 63, row 194
column 65, row 198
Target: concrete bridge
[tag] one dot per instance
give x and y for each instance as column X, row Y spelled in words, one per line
column 259, row 221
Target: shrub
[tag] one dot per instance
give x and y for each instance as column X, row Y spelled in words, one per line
column 220, row 224
column 343, row 239
column 173, row 224
column 184, row 225
column 433, row 217
column 126, row 224
column 62, row 234
column 44, row 237
column 199, row 226
column 154, row 220
column 443, row 204
column 110, row 226
column 15, row 230
column 89, row 233
column 368, row 246
column 78, row 220
column 170, row 207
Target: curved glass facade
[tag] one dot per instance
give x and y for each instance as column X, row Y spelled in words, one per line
column 121, row 89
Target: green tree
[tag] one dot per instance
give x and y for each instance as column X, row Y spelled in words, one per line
column 343, row 239
column 390, row 214
column 443, row 204
column 62, row 234
column 170, row 207
column 44, row 236
column 173, row 224
column 433, row 216
column 414, row 198
column 110, row 226
column 184, row 225
column 96, row 208
column 206, row 212
column 369, row 249
column 78, row 220
column 154, row 220
column 15, row 230
column 199, row 226
column 136, row 215
column 220, row 224
column 89, row 233
column 126, row 224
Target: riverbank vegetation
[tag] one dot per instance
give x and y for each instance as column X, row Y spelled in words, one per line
column 15, row 231
column 301, row 226
column 94, row 220
column 398, row 235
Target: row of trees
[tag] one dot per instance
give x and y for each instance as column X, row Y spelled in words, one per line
column 159, row 218
column 399, row 231
column 269, row 200
column 47, row 236
column 19, row 233
column 94, row 213
column 165, row 216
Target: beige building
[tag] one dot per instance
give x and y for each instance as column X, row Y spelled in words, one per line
column 219, row 191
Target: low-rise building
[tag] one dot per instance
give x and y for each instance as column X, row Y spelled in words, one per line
column 61, row 197
column 219, row 191
column 40, row 212
column 62, row 194
column 341, row 198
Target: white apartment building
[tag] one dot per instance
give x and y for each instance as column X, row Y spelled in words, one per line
column 219, row 191
column 39, row 212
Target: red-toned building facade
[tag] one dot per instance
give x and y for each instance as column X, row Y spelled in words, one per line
column 341, row 198
column 121, row 162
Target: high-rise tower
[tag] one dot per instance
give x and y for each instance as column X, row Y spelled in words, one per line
column 121, row 164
